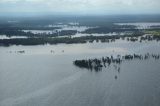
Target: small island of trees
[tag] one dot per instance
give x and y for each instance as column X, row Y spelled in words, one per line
column 97, row 64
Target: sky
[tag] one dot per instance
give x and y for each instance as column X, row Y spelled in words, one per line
column 81, row 6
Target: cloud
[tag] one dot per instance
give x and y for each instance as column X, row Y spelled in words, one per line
column 81, row 6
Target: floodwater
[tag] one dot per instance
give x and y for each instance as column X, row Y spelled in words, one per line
column 97, row 34
column 142, row 25
column 12, row 37
column 40, row 77
column 61, row 27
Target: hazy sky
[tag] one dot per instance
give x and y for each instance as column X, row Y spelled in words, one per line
column 82, row 6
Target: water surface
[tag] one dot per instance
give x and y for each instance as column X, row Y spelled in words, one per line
column 40, row 77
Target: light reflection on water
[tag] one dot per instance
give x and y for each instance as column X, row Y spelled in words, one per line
column 62, row 28
column 142, row 25
column 44, row 78
column 12, row 37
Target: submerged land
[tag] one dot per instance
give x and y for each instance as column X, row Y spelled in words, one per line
column 52, row 30
column 80, row 60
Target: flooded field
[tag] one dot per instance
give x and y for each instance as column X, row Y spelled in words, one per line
column 11, row 37
column 142, row 25
column 60, row 27
column 44, row 75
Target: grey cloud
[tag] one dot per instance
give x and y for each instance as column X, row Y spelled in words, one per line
column 90, row 6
